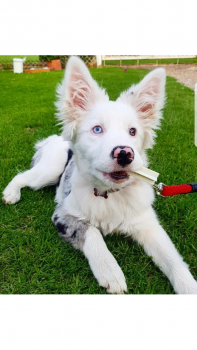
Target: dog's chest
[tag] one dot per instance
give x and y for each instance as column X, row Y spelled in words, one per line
column 119, row 212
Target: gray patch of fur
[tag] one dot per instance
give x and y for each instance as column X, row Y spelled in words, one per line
column 64, row 187
column 68, row 174
column 36, row 158
column 70, row 228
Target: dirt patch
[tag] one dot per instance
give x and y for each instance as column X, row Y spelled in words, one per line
column 184, row 73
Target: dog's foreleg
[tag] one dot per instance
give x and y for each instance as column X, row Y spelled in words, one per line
column 158, row 245
column 48, row 163
column 90, row 241
column 12, row 192
column 34, row 178
column 104, row 266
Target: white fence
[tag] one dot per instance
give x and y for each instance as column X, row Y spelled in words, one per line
column 104, row 58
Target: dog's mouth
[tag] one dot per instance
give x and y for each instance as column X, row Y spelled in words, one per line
column 117, row 176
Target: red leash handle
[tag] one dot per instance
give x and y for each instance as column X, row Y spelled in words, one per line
column 167, row 191
column 174, row 190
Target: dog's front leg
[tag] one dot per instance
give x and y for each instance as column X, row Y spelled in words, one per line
column 104, row 266
column 89, row 240
column 149, row 233
column 34, row 178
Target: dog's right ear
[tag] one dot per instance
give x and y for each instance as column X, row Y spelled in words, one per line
column 76, row 95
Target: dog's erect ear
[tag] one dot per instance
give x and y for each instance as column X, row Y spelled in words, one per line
column 76, row 95
column 148, row 98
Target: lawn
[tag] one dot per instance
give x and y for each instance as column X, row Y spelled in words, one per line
column 35, row 58
column 151, row 61
column 33, row 258
column 9, row 58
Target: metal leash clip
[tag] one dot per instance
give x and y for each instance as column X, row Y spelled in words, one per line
column 163, row 190
column 159, row 188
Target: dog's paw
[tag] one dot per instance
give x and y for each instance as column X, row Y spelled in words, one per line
column 115, row 283
column 184, row 283
column 11, row 195
column 193, row 289
column 110, row 276
column 187, row 288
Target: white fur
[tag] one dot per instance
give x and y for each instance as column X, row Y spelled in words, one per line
column 49, row 165
column 81, row 106
column 104, row 267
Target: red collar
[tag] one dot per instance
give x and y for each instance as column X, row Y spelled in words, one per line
column 105, row 193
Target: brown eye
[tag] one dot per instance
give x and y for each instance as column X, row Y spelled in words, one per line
column 132, row 131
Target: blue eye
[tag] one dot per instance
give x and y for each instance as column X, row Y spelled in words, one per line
column 97, row 129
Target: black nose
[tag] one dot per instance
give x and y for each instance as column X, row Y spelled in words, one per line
column 124, row 155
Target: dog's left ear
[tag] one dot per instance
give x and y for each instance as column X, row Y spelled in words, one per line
column 148, row 98
column 76, row 95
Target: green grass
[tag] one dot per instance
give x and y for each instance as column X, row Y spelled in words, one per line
column 9, row 58
column 150, row 61
column 35, row 58
column 33, row 259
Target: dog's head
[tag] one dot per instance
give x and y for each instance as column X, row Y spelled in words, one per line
column 109, row 137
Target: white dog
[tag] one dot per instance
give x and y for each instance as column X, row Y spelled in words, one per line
column 95, row 193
